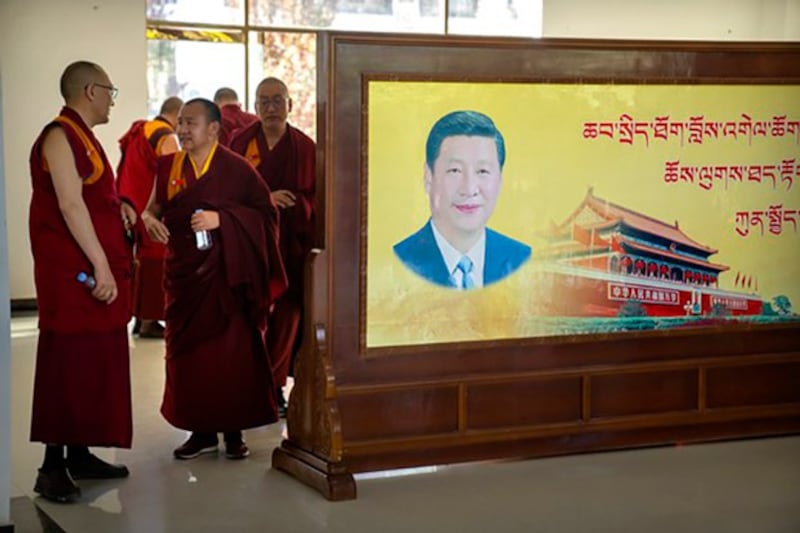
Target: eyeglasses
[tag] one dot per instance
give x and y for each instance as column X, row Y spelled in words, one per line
column 277, row 100
column 112, row 91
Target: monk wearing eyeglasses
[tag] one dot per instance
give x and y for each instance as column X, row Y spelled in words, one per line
column 82, row 392
column 285, row 158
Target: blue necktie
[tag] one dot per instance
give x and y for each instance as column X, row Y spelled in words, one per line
column 465, row 266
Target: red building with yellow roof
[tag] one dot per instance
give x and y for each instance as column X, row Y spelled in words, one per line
column 604, row 255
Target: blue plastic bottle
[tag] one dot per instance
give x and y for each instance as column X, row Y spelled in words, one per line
column 87, row 280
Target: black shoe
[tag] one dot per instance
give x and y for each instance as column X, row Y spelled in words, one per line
column 57, row 486
column 92, row 467
column 195, row 446
column 236, row 450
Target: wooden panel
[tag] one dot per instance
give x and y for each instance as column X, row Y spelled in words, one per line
column 523, row 403
column 643, row 393
column 355, row 409
column 738, row 386
column 400, row 412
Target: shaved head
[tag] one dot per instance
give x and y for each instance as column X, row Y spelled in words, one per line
column 272, row 80
column 77, row 76
column 210, row 109
column 225, row 95
column 171, row 106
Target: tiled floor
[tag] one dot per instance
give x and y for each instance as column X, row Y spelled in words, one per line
column 748, row 486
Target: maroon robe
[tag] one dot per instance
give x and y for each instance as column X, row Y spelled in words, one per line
column 136, row 172
column 234, row 118
column 218, row 373
column 290, row 165
column 82, row 392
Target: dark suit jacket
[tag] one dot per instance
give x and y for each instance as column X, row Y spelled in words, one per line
column 420, row 254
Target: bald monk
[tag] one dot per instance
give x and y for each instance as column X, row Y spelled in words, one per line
column 141, row 145
column 82, row 394
column 285, row 158
column 218, row 373
column 233, row 117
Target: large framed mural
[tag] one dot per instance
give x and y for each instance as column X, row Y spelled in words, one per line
column 634, row 207
column 538, row 247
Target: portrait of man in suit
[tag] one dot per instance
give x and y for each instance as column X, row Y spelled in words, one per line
column 464, row 158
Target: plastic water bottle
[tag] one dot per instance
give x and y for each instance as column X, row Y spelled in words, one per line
column 87, row 280
column 202, row 238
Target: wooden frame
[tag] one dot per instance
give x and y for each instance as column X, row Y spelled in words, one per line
column 351, row 412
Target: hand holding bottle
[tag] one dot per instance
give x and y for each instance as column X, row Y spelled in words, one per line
column 102, row 284
column 202, row 223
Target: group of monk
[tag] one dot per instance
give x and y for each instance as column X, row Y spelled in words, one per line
column 107, row 248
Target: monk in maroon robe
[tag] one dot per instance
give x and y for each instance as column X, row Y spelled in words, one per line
column 82, row 394
column 218, row 372
column 233, row 117
column 141, row 145
column 285, row 158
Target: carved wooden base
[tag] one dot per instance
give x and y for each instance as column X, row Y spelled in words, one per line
column 330, row 479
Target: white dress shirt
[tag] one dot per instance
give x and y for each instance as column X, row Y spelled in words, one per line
column 452, row 256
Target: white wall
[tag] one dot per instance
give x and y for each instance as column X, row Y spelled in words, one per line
column 721, row 20
column 38, row 38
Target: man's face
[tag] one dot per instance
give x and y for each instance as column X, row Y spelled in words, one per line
column 102, row 91
column 463, row 185
column 273, row 105
column 195, row 132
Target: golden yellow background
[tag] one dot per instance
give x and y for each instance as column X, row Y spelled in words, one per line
column 549, row 168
